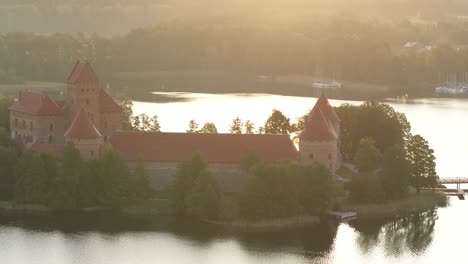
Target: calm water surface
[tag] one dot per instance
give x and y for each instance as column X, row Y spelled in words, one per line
column 433, row 237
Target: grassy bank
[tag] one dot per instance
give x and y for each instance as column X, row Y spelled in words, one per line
column 414, row 203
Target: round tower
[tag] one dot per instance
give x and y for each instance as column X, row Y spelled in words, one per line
column 84, row 135
column 318, row 142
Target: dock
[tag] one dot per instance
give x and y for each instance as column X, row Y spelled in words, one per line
column 342, row 216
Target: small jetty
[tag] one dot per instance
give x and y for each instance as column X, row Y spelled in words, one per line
column 342, row 216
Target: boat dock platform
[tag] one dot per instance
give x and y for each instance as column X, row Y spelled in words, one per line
column 342, row 216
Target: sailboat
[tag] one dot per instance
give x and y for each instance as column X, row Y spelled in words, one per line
column 322, row 83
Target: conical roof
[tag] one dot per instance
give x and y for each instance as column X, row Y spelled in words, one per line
column 82, row 127
column 327, row 109
column 317, row 127
column 82, row 71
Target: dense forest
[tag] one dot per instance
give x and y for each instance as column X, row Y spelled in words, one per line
column 360, row 51
column 119, row 16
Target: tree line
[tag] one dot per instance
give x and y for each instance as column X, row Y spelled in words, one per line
column 269, row 191
column 351, row 49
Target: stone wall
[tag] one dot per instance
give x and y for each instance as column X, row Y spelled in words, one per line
column 325, row 152
column 109, row 122
column 38, row 129
column 161, row 174
column 89, row 149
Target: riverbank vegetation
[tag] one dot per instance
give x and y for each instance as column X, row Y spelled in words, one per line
column 412, row 204
column 271, row 191
column 72, row 183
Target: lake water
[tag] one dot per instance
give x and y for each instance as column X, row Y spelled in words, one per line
column 433, row 237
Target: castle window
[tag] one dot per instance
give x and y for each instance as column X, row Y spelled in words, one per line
column 51, row 127
column 51, row 139
column 330, row 156
column 24, row 124
column 311, row 156
column 87, row 101
column 31, row 125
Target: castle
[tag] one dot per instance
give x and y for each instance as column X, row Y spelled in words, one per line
column 90, row 118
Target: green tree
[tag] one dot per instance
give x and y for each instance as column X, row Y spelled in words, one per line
column 371, row 119
column 154, row 126
column 141, row 187
column 126, row 104
column 249, row 127
column 208, row 128
column 367, row 157
column 5, row 103
column 249, row 160
column 204, row 198
column 277, row 124
column 66, row 192
column 236, row 127
column 284, row 190
column 193, row 127
column 5, row 139
column 396, row 172
column 423, row 163
column 187, row 172
column 8, row 159
column 366, row 187
column 113, row 179
column 31, row 179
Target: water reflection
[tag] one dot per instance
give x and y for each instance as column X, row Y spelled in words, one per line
column 412, row 234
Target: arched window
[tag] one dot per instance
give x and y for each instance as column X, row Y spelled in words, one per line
column 92, row 153
column 31, row 125
column 51, row 127
column 51, row 139
column 24, row 124
column 311, row 156
column 105, row 123
column 87, row 101
column 16, row 123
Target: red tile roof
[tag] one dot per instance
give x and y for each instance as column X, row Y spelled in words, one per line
column 82, row 71
column 36, row 103
column 327, row 109
column 317, row 127
column 107, row 103
column 214, row 148
column 82, row 127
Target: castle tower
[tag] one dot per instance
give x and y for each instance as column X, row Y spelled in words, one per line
column 84, row 135
column 329, row 113
column 318, row 142
column 83, row 90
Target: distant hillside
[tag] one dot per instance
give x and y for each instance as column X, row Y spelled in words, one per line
column 119, row 16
